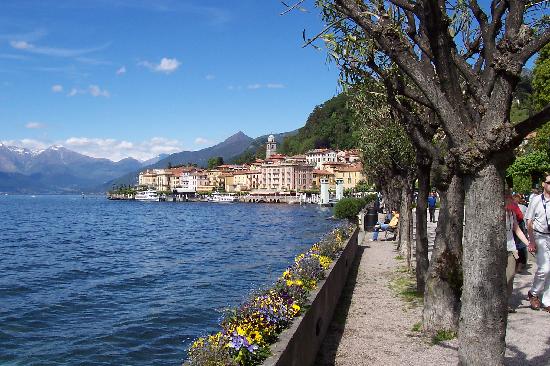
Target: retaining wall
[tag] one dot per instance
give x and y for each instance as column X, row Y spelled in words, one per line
column 298, row 345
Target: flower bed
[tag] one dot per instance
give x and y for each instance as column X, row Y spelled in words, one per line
column 249, row 330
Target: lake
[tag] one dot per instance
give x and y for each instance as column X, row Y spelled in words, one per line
column 87, row 281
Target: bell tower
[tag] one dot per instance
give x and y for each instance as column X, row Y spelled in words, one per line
column 271, row 146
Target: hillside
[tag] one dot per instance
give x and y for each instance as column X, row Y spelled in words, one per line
column 330, row 125
column 256, row 150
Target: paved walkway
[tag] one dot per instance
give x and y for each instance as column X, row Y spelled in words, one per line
column 372, row 326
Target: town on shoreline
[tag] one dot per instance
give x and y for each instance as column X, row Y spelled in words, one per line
column 278, row 178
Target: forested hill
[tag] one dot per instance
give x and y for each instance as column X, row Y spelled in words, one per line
column 330, row 125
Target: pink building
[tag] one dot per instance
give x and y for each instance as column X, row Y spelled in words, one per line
column 285, row 176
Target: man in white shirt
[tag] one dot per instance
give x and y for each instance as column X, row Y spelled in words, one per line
column 538, row 227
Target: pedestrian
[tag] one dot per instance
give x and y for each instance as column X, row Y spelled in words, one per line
column 520, row 209
column 511, row 264
column 538, row 228
column 432, row 202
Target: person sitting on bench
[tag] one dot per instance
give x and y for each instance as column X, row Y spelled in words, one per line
column 392, row 225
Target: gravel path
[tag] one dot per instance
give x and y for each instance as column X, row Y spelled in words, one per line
column 372, row 326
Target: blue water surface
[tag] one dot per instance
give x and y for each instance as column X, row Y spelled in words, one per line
column 87, row 281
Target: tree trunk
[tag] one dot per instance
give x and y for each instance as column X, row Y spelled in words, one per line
column 444, row 280
column 405, row 223
column 422, row 261
column 484, row 308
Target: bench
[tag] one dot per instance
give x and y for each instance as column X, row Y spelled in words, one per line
column 394, row 231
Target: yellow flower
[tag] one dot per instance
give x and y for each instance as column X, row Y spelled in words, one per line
column 240, row 331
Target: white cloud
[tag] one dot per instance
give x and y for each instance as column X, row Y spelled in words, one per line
column 166, row 65
column 114, row 149
column 93, row 90
column 21, row 45
column 53, row 51
column 201, row 141
column 34, row 125
column 267, row 86
column 108, row 148
column 96, row 91
column 57, row 88
column 75, row 91
column 210, row 77
column 121, row 71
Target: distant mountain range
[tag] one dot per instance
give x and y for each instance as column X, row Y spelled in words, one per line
column 60, row 170
column 228, row 149
column 56, row 170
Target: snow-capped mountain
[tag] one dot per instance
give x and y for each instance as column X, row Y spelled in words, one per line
column 56, row 169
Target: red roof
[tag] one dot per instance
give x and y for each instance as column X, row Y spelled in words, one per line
column 322, row 172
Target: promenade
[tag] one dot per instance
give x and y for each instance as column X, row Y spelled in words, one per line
column 374, row 326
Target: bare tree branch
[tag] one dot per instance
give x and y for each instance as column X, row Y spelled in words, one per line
column 523, row 128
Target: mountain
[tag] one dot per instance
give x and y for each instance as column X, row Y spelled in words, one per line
column 256, row 149
column 228, row 150
column 154, row 160
column 56, row 170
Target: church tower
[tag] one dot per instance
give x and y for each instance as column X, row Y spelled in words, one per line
column 271, row 146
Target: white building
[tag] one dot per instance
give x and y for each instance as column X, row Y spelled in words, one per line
column 318, row 157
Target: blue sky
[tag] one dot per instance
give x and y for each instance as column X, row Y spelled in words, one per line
column 117, row 78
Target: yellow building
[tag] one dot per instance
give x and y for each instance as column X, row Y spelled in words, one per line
column 323, row 174
column 351, row 175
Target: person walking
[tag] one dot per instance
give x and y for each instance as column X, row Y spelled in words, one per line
column 512, row 231
column 432, row 202
column 538, row 228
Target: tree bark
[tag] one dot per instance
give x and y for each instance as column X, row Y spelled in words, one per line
column 444, row 280
column 405, row 223
column 484, row 307
column 422, row 261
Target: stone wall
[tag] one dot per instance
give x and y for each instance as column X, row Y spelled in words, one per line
column 298, row 345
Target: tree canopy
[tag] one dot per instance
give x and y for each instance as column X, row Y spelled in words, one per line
column 330, row 125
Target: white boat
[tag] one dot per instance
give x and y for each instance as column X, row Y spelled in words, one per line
column 227, row 197
column 148, row 195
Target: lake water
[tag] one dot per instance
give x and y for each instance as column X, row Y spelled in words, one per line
column 97, row 282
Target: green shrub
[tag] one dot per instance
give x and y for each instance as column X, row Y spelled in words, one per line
column 348, row 208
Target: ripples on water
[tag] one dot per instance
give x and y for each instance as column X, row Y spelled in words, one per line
column 97, row 282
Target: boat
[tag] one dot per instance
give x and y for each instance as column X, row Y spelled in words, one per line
column 148, row 195
column 223, row 197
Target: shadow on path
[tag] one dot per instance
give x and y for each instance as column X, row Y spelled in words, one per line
column 327, row 353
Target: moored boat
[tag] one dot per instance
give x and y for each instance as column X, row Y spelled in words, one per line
column 223, row 197
column 148, row 195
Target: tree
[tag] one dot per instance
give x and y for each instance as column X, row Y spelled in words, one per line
column 541, row 79
column 388, row 155
column 215, row 162
column 465, row 62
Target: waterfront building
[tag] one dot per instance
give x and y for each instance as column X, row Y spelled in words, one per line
column 318, row 174
column 147, row 178
column 351, row 175
column 243, row 181
column 158, row 179
column 270, row 147
column 190, row 180
column 318, row 157
column 284, row 176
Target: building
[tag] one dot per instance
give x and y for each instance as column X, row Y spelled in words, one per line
column 318, row 157
column 319, row 174
column 285, row 176
column 270, row 147
column 351, row 174
column 158, row 179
